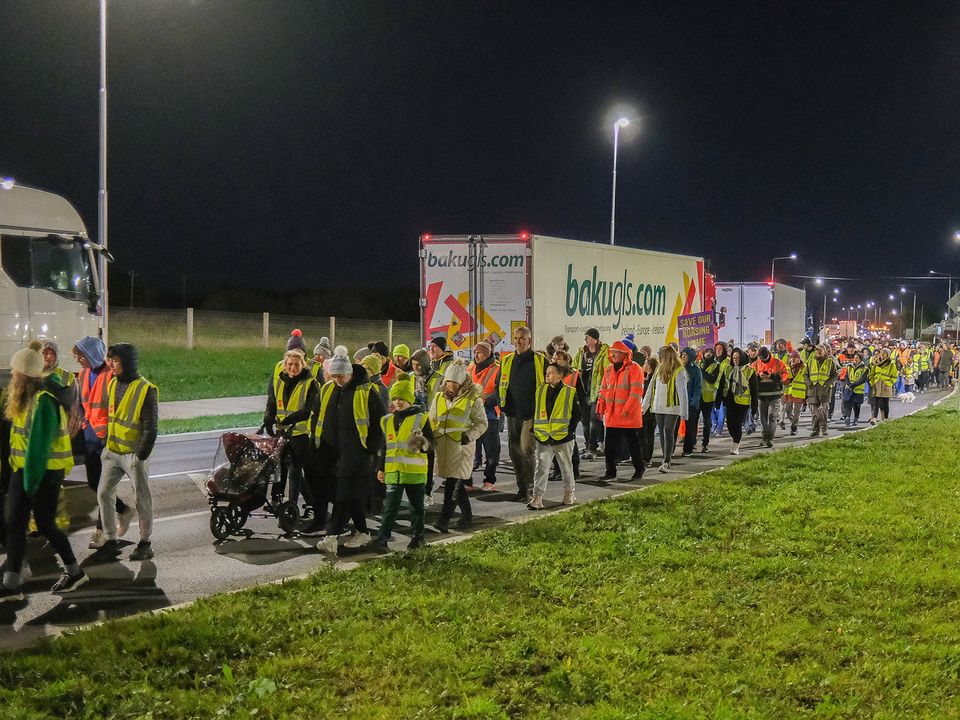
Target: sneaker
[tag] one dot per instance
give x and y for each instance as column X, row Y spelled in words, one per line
column 686, row 454
column 357, row 540
column 109, row 549
column 10, row 594
column 96, row 540
column 443, row 525
column 521, row 496
column 478, row 466
column 768, row 443
column 815, row 433
column 664, row 467
column 68, row 583
column 637, row 475
column 418, row 541
column 488, row 487
column 380, row 546
column 124, row 518
column 536, row 503
column 568, row 497
column 599, row 451
column 608, row 477
column 427, row 500
column 703, row 448
column 823, row 433
column 587, row 456
column 464, row 522
column 314, row 527
column 735, row 450
column 872, row 421
column 143, row 551
column 328, row 545
column 793, row 430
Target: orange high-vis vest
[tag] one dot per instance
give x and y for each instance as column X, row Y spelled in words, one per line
column 572, row 379
column 487, row 379
column 388, row 377
column 94, row 400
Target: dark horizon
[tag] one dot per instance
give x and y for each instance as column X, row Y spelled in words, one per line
column 264, row 144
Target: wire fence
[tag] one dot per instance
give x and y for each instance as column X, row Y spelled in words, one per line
column 190, row 328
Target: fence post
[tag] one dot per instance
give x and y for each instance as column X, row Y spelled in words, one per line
column 390, row 335
column 333, row 331
column 189, row 328
column 266, row 329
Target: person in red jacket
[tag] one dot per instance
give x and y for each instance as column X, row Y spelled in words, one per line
column 619, row 401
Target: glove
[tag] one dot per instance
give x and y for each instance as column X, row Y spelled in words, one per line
column 464, row 440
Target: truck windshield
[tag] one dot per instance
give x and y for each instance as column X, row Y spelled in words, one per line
column 55, row 263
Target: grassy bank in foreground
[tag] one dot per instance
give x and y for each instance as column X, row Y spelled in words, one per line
column 820, row 582
column 210, row 422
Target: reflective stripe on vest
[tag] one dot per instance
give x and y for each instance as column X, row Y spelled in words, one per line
column 123, row 427
column 854, row 374
column 61, row 455
column 65, row 377
column 506, row 364
column 556, row 425
column 399, row 457
column 487, row 380
column 797, row 386
column 708, row 392
column 453, row 419
column 295, row 403
column 624, row 388
column 361, row 416
column 96, row 407
column 743, row 398
column 819, row 370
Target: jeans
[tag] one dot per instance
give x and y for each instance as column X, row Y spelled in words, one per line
column 818, row 398
column 882, row 406
column 768, row 416
column 718, row 415
column 43, row 504
column 646, row 437
column 693, row 418
column 521, row 446
column 851, row 407
column 545, row 455
column 707, row 411
column 792, row 412
column 592, row 428
column 490, row 442
column 348, row 509
column 667, row 425
column 455, row 494
column 615, row 436
column 115, row 466
column 391, row 507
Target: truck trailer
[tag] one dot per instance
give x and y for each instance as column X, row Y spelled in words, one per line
column 49, row 284
column 757, row 312
column 482, row 287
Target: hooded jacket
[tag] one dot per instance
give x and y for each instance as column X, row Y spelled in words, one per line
column 454, row 458
column 621, row 392
column 694, row 379
column 130, row 361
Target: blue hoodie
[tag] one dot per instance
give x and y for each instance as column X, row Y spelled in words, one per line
column 694, row 378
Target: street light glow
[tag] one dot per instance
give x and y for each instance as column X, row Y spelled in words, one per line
column 793, row 256
column 623, row 122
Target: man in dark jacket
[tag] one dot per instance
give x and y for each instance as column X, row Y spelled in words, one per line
column 521, row 373
column 349, row 438
column 694, row 395
column 131, row 435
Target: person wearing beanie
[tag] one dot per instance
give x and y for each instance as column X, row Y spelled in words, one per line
column 388, row 371
column 591, row 362
column 401, row 358
column 131, row 434
column 348, row 436
column 458, row 419
column 323, row 348
column 94, row 378
column 40, row 458
column 440, row 357
column 426, row 380
column 820, row 375
column 404, row 465
column 772, row 376
column 361, row 354
column 796, row 391
column 295, row 341
column 521, row 374
column 292, row 400
column 485, row 372
column 371, row 363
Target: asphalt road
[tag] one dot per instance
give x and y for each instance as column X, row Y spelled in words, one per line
column 189, row 563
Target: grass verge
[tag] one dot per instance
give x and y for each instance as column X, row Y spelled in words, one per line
column 205, row 373
column 819, row 582
column 210, row 422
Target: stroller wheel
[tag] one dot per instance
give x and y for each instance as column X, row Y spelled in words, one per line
column 238, row 517
column 288, row 516
column 220, row 523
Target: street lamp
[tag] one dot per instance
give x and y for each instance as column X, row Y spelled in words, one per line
column 949, row 282
column 621, row 123
column 102, row 189
column 791, row 256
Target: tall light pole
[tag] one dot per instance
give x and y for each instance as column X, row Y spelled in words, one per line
column 773, row 263
column 621, row 123
column 102, row 194
column 823, row 324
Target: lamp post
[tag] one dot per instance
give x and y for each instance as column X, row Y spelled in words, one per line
column 949, row 282
column 773, row 263
column 621, row 123
column 823, row 325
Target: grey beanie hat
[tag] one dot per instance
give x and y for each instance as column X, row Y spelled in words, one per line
column 340, row 362
column 323, row 348
column 456, row 372
column 361, row 354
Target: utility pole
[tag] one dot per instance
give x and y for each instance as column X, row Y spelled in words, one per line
column 132, row 276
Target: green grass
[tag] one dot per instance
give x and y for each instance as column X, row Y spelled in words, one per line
column 210, row 422
column 203, row 373
column 812, row 583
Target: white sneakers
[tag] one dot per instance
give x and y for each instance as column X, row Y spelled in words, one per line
column 97, row 540
column 357, row 540
column 664, row 467
column 124, row 518
column 328, row 545
column 536, row 503
column 568, row 497
column 735, row 450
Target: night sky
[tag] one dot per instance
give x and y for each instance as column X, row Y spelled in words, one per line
column 309, row 143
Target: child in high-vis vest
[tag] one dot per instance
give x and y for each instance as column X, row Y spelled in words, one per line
column 403, row 467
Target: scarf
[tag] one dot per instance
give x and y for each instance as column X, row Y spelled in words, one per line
column 738, row 384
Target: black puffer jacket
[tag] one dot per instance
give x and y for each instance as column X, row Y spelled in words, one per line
column 339, row 428
column 130, row 361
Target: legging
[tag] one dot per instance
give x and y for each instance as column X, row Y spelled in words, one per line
column 735, row 415
column 44, row 506
column 881, row 403
column 667, row 425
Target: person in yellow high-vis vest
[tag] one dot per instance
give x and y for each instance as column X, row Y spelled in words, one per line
column 348, row 436
column 556, row 413
column 521, row 373
column 820, row 374
column 40, row 457
column 131, row 433
column 458, row 418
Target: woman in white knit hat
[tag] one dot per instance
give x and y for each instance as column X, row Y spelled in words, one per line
column 40, row 456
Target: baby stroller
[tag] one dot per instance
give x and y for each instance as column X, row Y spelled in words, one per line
column 247, row 476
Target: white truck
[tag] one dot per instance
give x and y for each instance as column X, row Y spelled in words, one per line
column 49, row 284
column 756, row 312
column 476, row 287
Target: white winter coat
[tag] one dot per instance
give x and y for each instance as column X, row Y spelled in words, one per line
column 454, row 460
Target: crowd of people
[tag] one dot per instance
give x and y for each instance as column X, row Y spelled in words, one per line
column 367, row 430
